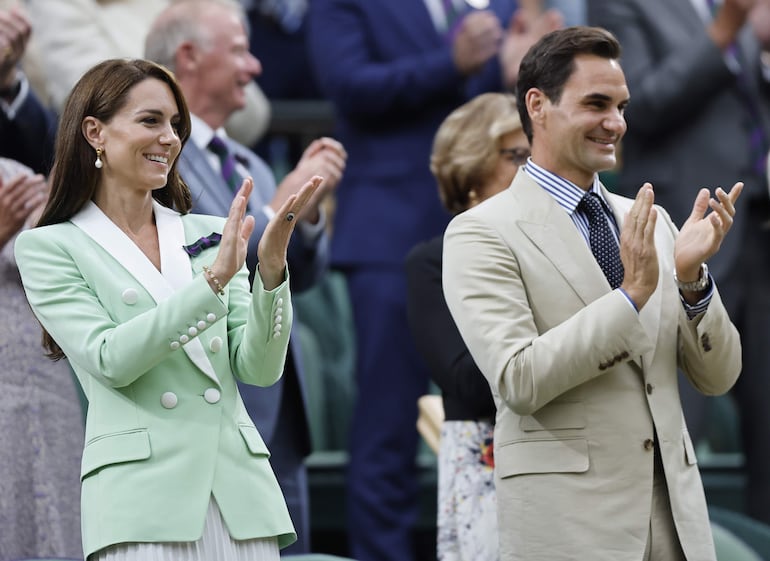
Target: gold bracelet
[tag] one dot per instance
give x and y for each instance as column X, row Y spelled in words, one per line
column 214, row 279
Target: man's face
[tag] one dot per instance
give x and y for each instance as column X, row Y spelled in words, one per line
column 226, row 65
column 578, row 136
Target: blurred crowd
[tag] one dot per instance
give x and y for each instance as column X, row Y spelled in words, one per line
column 414, row 87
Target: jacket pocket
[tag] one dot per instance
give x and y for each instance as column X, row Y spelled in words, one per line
column 254, row 441
column 689, row 449
column 555, row 416
column 115, row 448
column 566, row 455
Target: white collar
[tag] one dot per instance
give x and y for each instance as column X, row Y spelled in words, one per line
column 176, row 270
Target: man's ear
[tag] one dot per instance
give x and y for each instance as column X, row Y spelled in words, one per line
column 185, row 58
column 92, row 131
column 536, row 102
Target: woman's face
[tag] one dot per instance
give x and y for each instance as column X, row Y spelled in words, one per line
column 513, row 152
column 141, row 141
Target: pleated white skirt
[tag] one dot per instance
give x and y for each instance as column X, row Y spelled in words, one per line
column 215, row 545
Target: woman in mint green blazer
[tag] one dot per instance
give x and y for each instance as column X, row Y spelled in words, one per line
column 153, row 309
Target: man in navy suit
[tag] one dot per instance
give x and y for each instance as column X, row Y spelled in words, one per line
column 27, row 128
column 393, row 70
column 205, row 44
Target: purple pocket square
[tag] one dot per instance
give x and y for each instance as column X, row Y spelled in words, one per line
column 194, row 249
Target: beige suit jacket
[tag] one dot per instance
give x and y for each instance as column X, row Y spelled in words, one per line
column 581, row 381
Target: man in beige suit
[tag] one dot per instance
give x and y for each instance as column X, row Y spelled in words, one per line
column 593, row 459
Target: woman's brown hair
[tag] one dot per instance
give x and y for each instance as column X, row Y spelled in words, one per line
column 101, row 93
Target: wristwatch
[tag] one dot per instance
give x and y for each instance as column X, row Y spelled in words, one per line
column 697, row 285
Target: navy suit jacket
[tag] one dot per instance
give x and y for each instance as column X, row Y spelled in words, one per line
column 392, row 80
column 211, row 195
column 29, row 136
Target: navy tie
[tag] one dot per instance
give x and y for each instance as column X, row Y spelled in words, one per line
column 602, row 240
column 227, row 160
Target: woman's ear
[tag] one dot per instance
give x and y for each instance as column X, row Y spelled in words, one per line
column 92, row 131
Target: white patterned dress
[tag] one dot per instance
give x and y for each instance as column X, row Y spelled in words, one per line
column 467, row 507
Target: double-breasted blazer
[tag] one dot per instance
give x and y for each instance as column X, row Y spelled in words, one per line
column 582, row 382
column 157, row 353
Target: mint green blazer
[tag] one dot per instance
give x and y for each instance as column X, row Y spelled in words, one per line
column 157, row 353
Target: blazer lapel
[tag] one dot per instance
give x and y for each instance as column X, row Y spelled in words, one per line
column 177, row 270
column 105, row 233
column 551, row 229
column 683, row 16
column 200, row 177
column 174, row 262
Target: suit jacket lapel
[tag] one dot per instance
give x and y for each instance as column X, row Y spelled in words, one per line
column 177, row 270
column 174, row 262
column 551, row 229
column 259, row 196
column 105, row 233
column 683, row 16
column 200, row 177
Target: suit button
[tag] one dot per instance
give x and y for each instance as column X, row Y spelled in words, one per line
column 279, row 302
column 184, row 339
column 129, row 296
column 192, row 331
column 649, row 444
column 202, row 325
column 168, row 400
column 212, row 395
column 649, row 388
column 215, row 345
column 174, row 345
column 211, row 317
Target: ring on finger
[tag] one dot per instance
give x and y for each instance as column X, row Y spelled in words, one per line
column 290, row 217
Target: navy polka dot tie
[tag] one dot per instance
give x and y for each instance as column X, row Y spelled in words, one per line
column 603, row 244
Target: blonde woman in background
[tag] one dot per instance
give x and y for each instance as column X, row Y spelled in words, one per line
column 476, row 152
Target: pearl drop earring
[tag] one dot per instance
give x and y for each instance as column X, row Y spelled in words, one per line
column 98, row 163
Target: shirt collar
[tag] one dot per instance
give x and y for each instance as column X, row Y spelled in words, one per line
column 201, row 134
column 565, row 193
